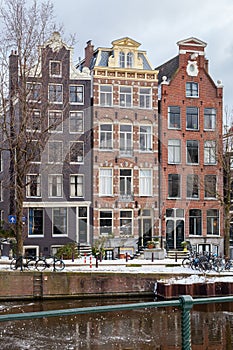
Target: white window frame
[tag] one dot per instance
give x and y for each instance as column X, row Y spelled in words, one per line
column 187, row 153
column 192, row 182
column 173, row 113
column 145, row 98
column 190, row 91
column 35, row 114
column 178, row 176
column 107, row 218
column 54, row 127
column 79, row 159
column 145, row 182
column 36, row 148
column 55, row 96
column 105, row 182
column 194, row 126
column 174, row 151
column 210, row 119
column 29, row 222
column 76, row 186
column 209, row 196
column 210, row 155
column 34, row 88
column 126, row 218
column 78, row 117
column 106, row 143
column 37, row 184
column 145, row 138
column 55, row 183
column 125, row 96
column 50, row 69
column 105, row 95
column 58, row 160
column 126, row 139
column 77, row 94
column 66, row 222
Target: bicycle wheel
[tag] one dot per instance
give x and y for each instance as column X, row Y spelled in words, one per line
column 41, row 265
column 13, row 265
column 59, row 265
column 186, row 263
column 31, row 264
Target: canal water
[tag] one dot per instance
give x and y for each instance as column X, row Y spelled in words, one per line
column 143, row 329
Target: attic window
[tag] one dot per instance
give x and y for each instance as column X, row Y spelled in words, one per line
column 122, row 59
column 55, row 69
column 129, row 60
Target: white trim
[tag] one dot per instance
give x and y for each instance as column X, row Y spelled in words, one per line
column 56, row 204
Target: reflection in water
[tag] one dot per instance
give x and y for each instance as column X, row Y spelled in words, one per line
column 156, row 329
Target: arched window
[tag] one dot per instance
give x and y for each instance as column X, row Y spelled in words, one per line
column 129, row 60
column 122, row 59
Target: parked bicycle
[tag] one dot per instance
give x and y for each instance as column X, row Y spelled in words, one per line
column 50, row 262
column 23, row 263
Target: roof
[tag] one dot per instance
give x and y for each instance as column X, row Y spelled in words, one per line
column 168, row 68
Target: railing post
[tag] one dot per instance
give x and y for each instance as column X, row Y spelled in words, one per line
column 186, row 302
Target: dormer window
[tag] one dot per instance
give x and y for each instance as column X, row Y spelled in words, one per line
column 55, row 68
column 129, row 60
column 122, row 59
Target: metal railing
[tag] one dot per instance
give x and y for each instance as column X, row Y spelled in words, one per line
column 185, row 302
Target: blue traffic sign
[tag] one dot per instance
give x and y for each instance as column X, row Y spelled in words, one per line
column 12, row 219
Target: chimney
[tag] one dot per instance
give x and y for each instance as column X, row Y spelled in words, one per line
column 13, row 72
column 89, row 49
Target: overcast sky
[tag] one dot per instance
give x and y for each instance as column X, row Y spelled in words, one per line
column 157, row 25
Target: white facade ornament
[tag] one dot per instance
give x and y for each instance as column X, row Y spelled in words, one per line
column 192, row 68
column 55, row 42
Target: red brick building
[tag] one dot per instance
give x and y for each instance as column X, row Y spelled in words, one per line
column 125, row 145
column 190, row 139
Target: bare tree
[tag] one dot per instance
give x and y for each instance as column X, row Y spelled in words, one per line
column 24, row 28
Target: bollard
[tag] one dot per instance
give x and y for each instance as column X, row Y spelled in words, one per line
column 152, row 257
column 96, row 262
column 100, row 257
column 85, row 258
column 90, row 262
column 176, row 257
column 72, row 257
column 126, row 257
column 186, row 302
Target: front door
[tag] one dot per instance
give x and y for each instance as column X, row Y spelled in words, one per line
column 174, row 233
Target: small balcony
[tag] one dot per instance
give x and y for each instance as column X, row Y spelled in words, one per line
column 126, row 197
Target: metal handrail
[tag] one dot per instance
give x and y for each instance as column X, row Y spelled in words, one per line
column 185, row 302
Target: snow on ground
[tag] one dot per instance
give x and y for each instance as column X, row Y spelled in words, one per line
column 140, row 266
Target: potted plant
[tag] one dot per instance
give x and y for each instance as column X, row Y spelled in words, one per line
column 184, row 245
column 150, row 244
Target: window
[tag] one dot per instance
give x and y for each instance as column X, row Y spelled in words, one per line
column 125, row 96
column 106, row 137
column 195, row 222
column 55, row 185
column 212, row 216
column 126, row 222
column 105, row 95
column 76, row 122
column 105, row 182
column 1, row 161
column 192, row 148
column 192, row 186
column 60, row 221
column 76, row 94
column 192, row 118
column 36, row 222
column 82, row 224
column 55, row 93
column 55, row 69
column 33, row 185
column 55, row 121
column 210, row 183
column 192, row 89
column 210, row 152
column 129, row 60
column 34, row 92
column 33, row 151
column 145, row 182
column 174, row 117
column 126, row 146
column 173, row 185
column 121, row 59
column 145, row 138
column 209, row 118
column 125, row 182
column 106, row 223
column 55, row 152
column 76, row 185
column 76, row 152
column 174, row 151
column 1, row 191
column 34, row 121
column 145, row 98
